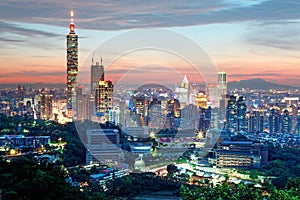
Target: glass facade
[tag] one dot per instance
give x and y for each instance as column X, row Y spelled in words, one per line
column 72, row 69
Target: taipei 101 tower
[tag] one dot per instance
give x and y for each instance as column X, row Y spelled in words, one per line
column 72, row 70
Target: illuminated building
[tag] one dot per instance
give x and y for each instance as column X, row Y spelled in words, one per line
column 286, row 122
column 204, row 119
column 72, row 69
column 256, row 121
column 240, row 154
column 231, row 114
column 201, row 100
column 44, row 106
column 104, row 97
column 139, row 110
column 182, row 92
column 241, row 114
column 173, row 114
column 274, row 120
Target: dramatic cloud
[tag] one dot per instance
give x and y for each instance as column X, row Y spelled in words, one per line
column 6, row 27
column 244, row 36
column 116, row 15
column 281, row 35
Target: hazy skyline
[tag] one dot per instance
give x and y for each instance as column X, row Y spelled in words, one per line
column 247, row 39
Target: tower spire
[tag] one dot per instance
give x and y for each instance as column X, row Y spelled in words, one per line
column 101, row 60
column 72, row 25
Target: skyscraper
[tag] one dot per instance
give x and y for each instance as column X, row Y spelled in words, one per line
column 97, row 73
column 105, row 96
column 241, row 114
column 173, row 114
column 72, row 69
column 182, row 92
column 221, row 85
column 236, row 114
column 44, row 105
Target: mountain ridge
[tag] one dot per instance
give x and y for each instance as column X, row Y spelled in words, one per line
column 258, row 83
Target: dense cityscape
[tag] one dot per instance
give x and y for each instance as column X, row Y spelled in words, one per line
column 103, row 140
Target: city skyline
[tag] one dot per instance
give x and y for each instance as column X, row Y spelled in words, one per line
column 249, row 39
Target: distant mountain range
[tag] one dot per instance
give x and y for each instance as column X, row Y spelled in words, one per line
column 257, row 83
column 38, row 85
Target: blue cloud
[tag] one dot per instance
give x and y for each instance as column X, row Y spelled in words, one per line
column 116, row 15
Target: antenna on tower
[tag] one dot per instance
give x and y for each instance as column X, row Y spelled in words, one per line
column 72, row 15
column 101, row 60
column 72, row 25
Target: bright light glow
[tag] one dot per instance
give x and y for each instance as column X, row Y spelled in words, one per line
column 72, row 14
column 193, row 157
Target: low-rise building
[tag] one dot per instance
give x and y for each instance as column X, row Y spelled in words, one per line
column 240, row 154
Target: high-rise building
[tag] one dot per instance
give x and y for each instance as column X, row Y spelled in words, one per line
column 231, row 114
column 104, row 97
column 138, row 110
column 97, row 73
column 45, row 105
column 204, row 119
column 72, row 69
column 286, row 122
column 274, row 120
column 256, row 121
column 182, row 92
column 155, row 118
column 86, row 106
column 241, row 114
column 236, row 114
column 173, row 114
column 201, row 100
column 221, row 85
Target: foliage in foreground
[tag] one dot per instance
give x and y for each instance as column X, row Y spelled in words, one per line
column 25, row 178
column 225, row 191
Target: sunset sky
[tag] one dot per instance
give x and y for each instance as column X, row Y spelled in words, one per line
column 245, row 38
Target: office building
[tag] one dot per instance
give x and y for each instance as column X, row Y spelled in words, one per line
column 104, row 100
column 240, row 154
column 86, row 106
column 173, row 117
column 236, row 114
column 97, row 73
column 241, row 114
column 182, row 92
column 43, row 106
column 103, row 146
column 274, row 120
column 256, row 121
column 155, row 114
column 72, row 69
column 138, row 111
column 204, row 119
column 221, row 84
column 286, row 122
